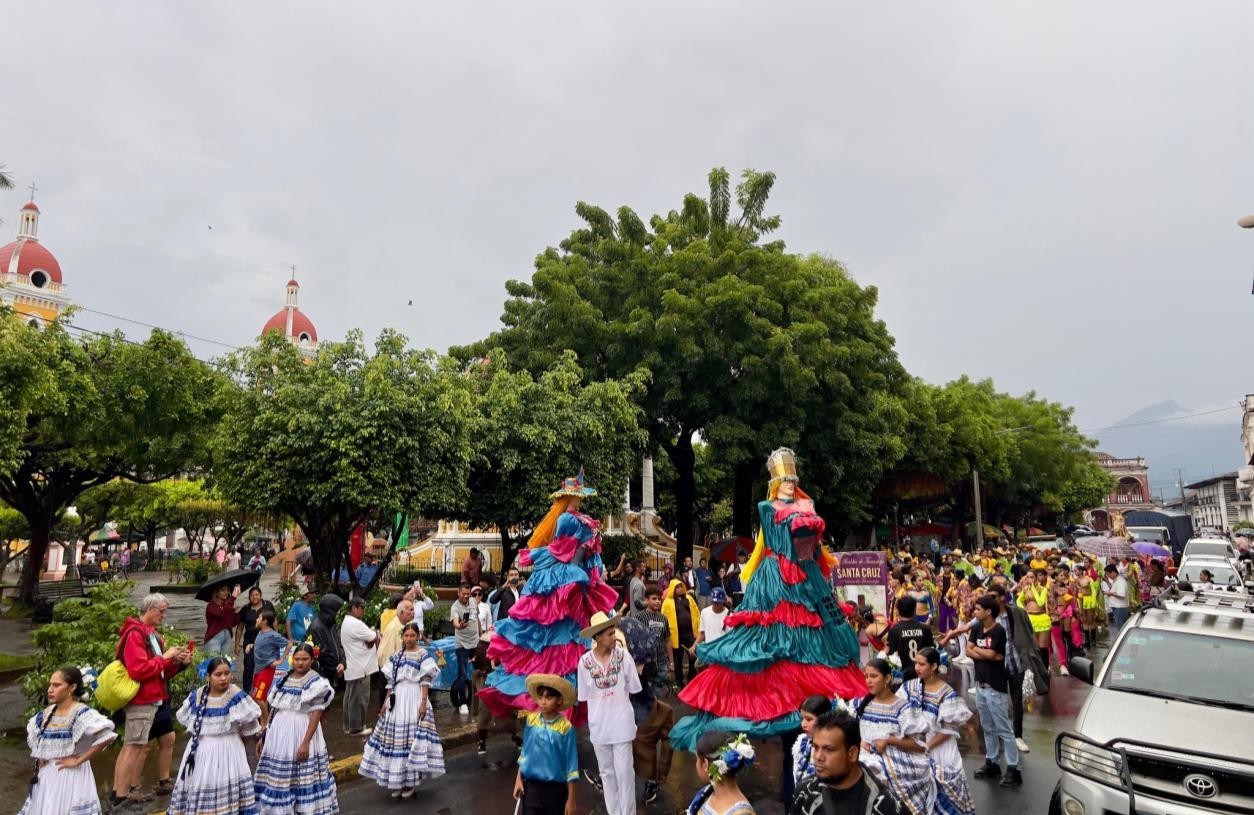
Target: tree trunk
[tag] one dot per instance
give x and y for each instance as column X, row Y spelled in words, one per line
column 509, row 548
column 684, row 459
column 40, row 532
column 743, row 504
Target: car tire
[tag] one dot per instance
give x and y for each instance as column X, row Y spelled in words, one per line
column 1055, row 800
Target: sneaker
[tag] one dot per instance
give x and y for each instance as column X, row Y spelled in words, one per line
column 594, row 779
column 1022, row 745
column 1013, row 778
column 650, row 791
column 465, row 711
column 483, row 747
column 989, row 770
column 124, row 806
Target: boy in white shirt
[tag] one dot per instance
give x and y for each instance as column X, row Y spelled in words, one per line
column 606, row 678
column 714, row 616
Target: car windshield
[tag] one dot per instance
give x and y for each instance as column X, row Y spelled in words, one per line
column 1219, row 575
column 1207, row 549
column 1189, row 666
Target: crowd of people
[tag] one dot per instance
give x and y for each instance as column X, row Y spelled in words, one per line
column 1005, row 617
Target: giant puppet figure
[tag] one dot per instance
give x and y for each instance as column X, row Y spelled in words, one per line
column 566, row 587
column 787, row 639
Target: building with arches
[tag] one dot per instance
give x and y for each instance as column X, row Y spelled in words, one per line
column 1131, row 489
column 30, row 276
column 292, row 323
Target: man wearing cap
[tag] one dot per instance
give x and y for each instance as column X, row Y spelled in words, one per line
column 714, row 617
column 606, row 678
column 548, row 766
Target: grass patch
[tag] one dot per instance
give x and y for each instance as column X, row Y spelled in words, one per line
column 13, row 662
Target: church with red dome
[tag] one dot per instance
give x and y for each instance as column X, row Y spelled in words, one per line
column 30, row 277
column 292, row 323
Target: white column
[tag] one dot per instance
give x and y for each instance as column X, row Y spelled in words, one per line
column 626, row 505
column 647, row 503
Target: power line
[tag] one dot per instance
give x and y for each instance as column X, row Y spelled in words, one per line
column 157, row 327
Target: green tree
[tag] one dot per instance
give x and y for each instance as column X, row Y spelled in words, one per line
column 105, row 408
column 347, row 436
column 6, row 179
column 734, row 335
column 535, row 431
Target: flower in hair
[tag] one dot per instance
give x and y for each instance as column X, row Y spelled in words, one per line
column 733, row 756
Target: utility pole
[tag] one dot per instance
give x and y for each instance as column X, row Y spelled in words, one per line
column 1179, row 471
column 979, row 513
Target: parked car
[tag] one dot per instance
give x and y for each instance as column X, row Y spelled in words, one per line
column 1224, row 573
column 1166, row 728
column 1213, row 547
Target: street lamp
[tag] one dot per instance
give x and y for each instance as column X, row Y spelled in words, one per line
column 1247, row 223
column 975, row 488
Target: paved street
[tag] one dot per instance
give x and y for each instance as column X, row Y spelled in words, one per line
column 483, row 784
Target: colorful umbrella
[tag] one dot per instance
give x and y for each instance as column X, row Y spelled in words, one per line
column 727, row 549
column 1150, row 549
column 1106, row 547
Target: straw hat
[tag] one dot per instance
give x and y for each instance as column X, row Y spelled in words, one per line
column 557, row 683
column 600, row 622
column 574, row 486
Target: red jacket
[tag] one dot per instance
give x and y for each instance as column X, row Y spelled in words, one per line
column 220, row 618
column 150, row 670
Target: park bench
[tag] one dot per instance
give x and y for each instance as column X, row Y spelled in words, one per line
column 90, row 574
column 51, row 592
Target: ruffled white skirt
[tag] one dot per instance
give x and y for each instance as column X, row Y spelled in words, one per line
column 286, row 786
column 63, row 792
column 219, row 783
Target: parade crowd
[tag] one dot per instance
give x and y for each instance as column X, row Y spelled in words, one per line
column 1005, row 617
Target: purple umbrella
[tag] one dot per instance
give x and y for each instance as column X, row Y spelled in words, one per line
column 1151, row 549
column 1106, row 547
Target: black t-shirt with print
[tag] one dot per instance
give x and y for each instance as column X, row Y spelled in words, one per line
column 988, row 671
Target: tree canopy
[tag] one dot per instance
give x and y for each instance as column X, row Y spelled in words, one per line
column 535, row 431
column 92, row 410
column 345, row 436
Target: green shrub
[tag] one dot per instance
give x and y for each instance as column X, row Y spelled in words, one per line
column 289, row 593
column 84, row 631
column 615, row 546
column 405, row 575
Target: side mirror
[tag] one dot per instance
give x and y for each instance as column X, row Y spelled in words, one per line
column 1081, row 668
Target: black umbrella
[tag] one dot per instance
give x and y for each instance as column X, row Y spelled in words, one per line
column 244, row 578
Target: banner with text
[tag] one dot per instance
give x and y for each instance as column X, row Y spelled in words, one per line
column 861, row 578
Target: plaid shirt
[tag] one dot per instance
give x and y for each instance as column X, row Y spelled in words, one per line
column 662, row 636
column 1014, row 665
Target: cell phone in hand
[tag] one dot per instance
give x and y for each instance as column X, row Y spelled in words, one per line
column 465, row 616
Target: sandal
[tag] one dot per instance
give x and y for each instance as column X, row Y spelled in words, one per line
column 165, row 786
column 407, row 792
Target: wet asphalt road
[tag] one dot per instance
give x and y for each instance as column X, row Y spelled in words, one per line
column 483, row 784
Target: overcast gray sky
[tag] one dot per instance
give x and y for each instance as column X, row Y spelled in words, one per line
column 1044, row 193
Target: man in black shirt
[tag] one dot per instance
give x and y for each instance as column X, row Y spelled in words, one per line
column 909, row 637
column 839, row 786
column 987, row 646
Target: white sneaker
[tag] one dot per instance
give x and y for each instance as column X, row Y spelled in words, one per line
column 1022, row 745
column 465, row 711
column 1062, row 669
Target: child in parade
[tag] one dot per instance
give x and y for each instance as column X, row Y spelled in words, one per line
column 719, row 759
column 215, row 778
column 63, row 737
column 405, row 747
column 293, row 772
column 943, row 709
column 607, row 677
column 548, row 767
column 891, row 750
column 267, row 651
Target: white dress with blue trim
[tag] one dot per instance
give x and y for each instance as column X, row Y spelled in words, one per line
column 945, row 712
column 403, row 749
column 284, row 784
column 214, row 777
column 69, row 791
column 909, row 775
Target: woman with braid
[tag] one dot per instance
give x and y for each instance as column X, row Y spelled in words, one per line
column 294, row 770
column 214, row 778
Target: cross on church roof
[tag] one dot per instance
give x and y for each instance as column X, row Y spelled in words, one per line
column 32, row 189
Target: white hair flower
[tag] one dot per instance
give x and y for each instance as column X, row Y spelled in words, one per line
column 744, row 748
column 720, row 766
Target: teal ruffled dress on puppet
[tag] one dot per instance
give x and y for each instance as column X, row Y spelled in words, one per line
column 786, row 641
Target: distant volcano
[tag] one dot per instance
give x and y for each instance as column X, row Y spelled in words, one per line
column 1203, row 445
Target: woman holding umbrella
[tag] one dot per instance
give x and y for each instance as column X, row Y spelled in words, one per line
column 220, row 620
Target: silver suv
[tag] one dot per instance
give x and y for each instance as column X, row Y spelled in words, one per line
column 1168, row 728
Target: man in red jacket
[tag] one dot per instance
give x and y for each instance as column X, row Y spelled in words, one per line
column 142, row 650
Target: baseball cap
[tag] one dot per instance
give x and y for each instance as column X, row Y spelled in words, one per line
column 717, row 595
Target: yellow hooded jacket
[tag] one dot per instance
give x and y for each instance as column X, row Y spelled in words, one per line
column 668, row 611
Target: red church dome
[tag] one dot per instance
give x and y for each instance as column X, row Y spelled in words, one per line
column 301, row 325
column 30, row 257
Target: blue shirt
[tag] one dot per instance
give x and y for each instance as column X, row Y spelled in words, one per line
column 268, row 647
column 365, row 573
column 703, row 581
column 549, row 751
column 301, row 614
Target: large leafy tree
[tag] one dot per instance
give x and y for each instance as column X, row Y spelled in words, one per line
column 103, row 408
column 343, row 438
column 535, row 431
column 740, row 341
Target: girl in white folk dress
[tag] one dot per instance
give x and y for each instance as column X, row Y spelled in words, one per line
column 293, row 773
column 63, row 737
column 405, row 746
column 945, row 712
column 214, row 778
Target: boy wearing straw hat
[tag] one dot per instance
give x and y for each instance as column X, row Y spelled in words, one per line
column 548, row 767
column 606, row 678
